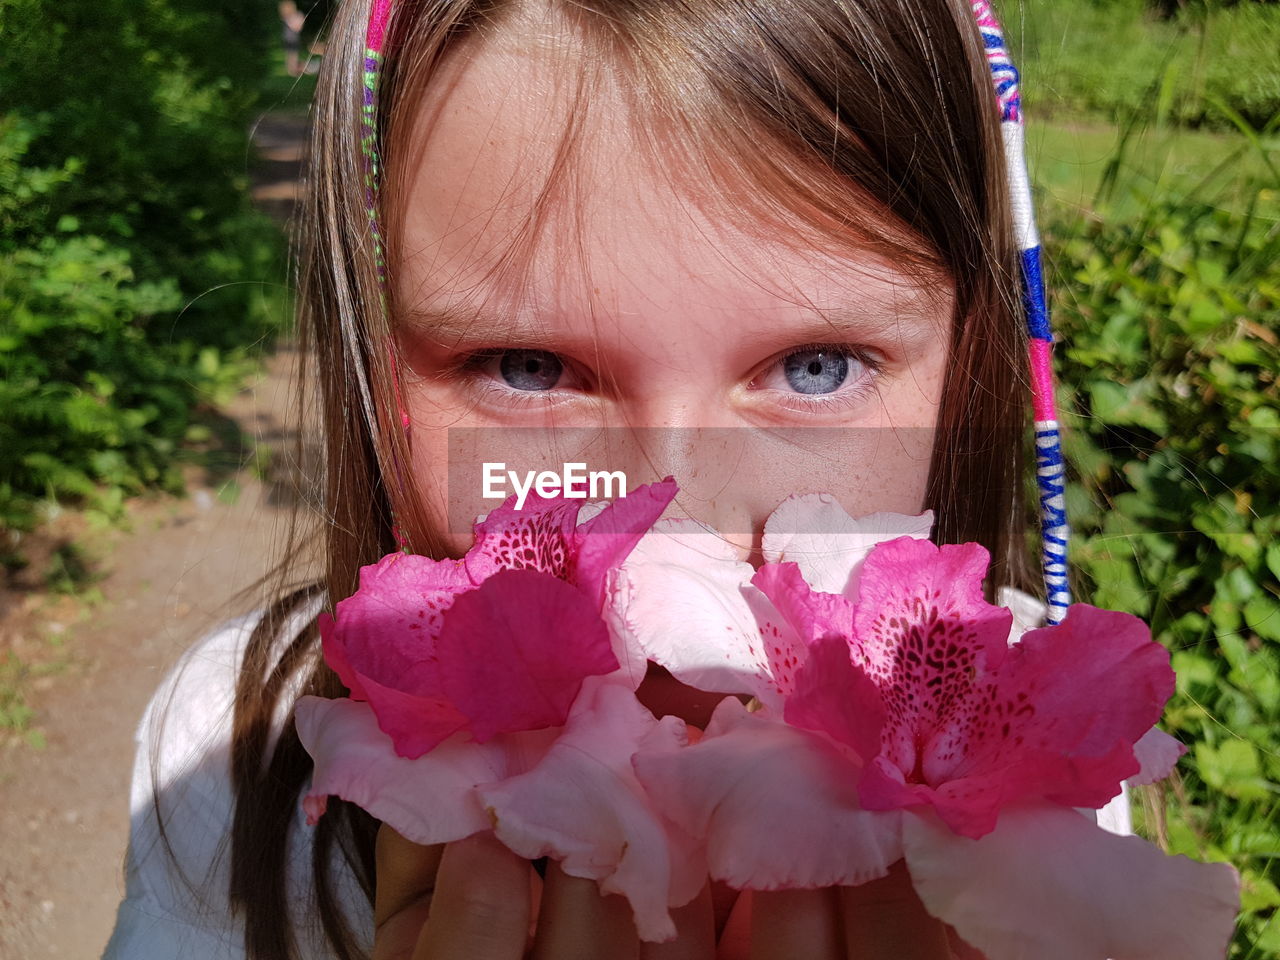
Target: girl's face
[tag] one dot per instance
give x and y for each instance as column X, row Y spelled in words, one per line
column 704, row 352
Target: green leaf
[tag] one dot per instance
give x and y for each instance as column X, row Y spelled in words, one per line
column 1192, row 670
column 1203, row 316
column 1127, row 404
column 1232, row 768
column 1257, row 892
column 1262, row 615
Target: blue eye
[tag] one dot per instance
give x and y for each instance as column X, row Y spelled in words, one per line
column 816, row 370
column 530, row 369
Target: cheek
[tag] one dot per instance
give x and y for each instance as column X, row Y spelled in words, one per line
column 431, row 483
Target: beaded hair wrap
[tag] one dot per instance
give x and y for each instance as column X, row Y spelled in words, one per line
column 1050, row 467
column 375, row 37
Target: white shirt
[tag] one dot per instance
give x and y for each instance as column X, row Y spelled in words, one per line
column 186, row 733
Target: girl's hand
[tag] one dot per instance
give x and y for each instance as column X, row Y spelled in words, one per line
column 880, row 920
column 472, row 900
column 475, row 899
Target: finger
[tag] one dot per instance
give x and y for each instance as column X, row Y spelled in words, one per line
column 405, row 878
column 576, row 923
column 885, row 920
column 695, row 932
column 406, row 872
column 480, row 907
column 795, row 923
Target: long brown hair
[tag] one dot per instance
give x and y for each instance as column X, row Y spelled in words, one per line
column 824, row 107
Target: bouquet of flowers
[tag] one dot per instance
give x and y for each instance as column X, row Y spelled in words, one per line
column 892, row 714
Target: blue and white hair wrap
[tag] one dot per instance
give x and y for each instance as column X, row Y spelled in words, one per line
column 1050, row 467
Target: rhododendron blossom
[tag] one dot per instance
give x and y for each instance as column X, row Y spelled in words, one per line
column 480, row 688
column 900, row 722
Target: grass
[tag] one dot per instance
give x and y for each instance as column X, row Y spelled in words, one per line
column 1070, row 159
column 17, row 718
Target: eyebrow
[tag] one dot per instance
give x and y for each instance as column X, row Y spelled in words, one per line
column 449, row 326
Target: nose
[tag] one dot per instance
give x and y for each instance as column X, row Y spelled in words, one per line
column 707, row 463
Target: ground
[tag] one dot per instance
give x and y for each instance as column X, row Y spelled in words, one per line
column 169, row 574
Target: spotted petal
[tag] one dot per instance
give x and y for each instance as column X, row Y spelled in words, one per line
column 1061, row 719
column 387, row 629
column 383, row 646
column 927, row 637
column 536, row 536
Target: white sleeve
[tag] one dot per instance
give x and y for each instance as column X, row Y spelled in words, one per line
column 177, row 905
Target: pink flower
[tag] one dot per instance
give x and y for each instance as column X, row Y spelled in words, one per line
column 482, row 688
column 899, row 722
column 685, row 599
column 393, row 645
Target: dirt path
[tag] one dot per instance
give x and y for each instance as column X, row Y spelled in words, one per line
column 64, row 807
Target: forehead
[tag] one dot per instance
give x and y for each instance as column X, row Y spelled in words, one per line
column 520, row 180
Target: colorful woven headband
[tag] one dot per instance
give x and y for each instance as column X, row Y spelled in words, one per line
column 1050, row 469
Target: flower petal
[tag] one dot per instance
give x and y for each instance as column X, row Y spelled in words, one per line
column 583, row 806
column 811, row 613
column 335, row 655
column 535, row 537
column 513, row 652
column 414, row 724
column 1047, row 883
column 1066, row 709
column 430, row 799
column 1157, row 754
column 776, row 805
column 387, row 629
column 679, row 598
column 604, row 541
column 835, row 697
column 829, row 545
column 971, row 805
column 924, row 585
column 927, row 637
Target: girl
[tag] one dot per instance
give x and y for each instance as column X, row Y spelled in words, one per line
column 755, row 215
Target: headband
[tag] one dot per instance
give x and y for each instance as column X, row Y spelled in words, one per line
column 1050, row 467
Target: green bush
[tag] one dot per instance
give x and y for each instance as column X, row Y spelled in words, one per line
column 1169, row 360
column 132, row 264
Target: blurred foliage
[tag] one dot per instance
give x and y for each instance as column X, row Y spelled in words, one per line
column 1169, row 356
column 1208, row 63
column 131, row 261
